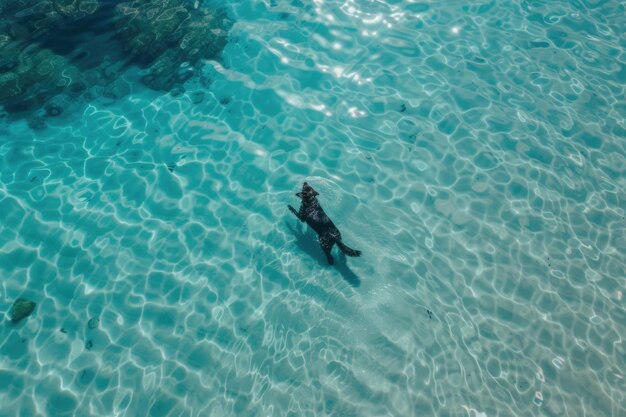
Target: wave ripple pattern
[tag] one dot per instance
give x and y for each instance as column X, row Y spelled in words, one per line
column 474, row 151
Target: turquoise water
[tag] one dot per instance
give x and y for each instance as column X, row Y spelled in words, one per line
column 474, row 151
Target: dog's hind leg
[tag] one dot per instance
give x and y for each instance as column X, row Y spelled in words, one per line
column 348, row 251
column 327, row 245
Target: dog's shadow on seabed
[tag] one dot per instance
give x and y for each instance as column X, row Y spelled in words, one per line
column 307, row 241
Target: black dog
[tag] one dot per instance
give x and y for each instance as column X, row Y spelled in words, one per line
column 313, row 214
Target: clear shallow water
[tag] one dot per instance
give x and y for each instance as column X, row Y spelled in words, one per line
column 474, row 153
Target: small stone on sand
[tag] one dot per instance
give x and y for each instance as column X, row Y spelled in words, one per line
column 21, row 309
column 93, row 322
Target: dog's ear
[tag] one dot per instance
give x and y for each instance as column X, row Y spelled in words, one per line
column 299, row 194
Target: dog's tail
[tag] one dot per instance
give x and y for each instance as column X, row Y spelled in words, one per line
column 348, row 251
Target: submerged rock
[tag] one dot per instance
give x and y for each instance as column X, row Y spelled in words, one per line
column 164, row 35
column 31, row 74
column 21, row 309
column 47, row 48
column 39, row 75
column 34, row 19
column 93, row 323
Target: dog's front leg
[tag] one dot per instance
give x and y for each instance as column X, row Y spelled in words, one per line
column 295, row 212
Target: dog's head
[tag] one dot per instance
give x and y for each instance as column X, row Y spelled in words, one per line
column 307, row 192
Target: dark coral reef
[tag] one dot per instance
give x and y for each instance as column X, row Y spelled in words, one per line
column 54, row 51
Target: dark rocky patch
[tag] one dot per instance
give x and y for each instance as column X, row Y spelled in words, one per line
column 75, row 48
column 93, row 323
column 21, row 309
column 163, row 35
